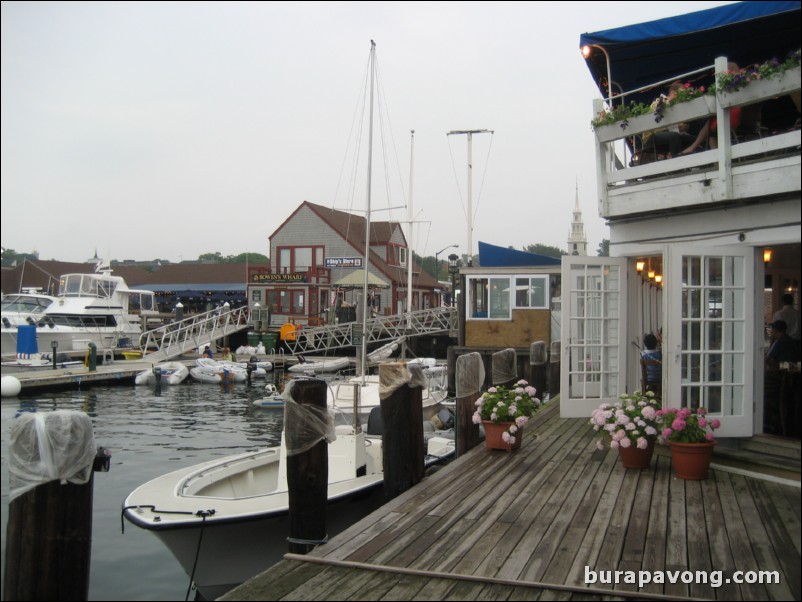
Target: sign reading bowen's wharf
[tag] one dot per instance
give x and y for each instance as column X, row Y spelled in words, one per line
column 268, row 278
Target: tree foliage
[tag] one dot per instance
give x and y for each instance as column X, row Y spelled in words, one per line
column 604, row 248
column 547, row 250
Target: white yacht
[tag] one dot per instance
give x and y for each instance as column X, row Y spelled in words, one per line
column 94, row 308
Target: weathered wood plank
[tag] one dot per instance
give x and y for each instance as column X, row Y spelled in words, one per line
column 654, row 554
column 595, row 535
column 779, row 538
column 718, row 541
column 698, row 547
column 742, row 554
column 685, row 548
column 765, row 555
column 613, row 542
column 786, row 502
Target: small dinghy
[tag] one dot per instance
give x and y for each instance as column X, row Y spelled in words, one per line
column 168, row 373
column 272, row 399
column 334, row 364
column 207, row 370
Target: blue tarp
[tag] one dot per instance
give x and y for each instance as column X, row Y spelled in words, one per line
column 645, row 53
column 26, row 341
column 491, row 256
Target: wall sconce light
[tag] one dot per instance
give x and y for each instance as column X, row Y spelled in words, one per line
column 658, row 278
column 651, row 274
column 767, row 255
column 640, row 265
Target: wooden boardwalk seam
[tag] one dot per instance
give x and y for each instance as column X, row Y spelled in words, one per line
column 524, row 526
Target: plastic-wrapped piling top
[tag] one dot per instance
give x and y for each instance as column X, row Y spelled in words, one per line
column 470, row 374
column 395, row 375
column 310, row 424
column 50, row 446
column 505, row 367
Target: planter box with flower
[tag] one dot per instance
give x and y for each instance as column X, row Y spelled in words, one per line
column 631, row 423
column 504, row 413
column 625, row 120
column 690, row 435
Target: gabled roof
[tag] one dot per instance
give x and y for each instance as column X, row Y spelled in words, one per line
column 645, row 53
column 491, row 256
column 352, row 229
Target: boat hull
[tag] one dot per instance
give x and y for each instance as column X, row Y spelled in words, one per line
column 233, row 552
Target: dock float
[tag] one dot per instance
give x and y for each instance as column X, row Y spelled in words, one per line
column 556, row 520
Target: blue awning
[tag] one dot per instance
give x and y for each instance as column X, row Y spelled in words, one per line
column 645, row 53
column 491, row 256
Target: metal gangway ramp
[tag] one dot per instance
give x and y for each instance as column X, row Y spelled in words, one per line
column 190, row 334
column 377, row 330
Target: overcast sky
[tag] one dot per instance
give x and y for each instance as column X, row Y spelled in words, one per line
column 171, row 129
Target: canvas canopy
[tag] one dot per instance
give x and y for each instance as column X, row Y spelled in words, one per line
column 357, row 279
column 645, row 53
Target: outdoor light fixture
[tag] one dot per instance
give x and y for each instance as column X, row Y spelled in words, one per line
column 651, row 274
column 586, row 52
column 453, row 269
column 640, row 265
column 766, row 255
column 658, row 278
column 437, row 263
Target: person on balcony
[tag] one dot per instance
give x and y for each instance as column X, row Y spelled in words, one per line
column 708, row 134
column 669, row 141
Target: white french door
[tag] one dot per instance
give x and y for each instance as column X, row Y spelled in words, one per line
column 593, row 361
column 711, row 329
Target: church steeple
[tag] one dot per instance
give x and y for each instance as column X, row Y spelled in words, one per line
column 577, row 241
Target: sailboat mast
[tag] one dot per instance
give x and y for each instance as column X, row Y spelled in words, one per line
column 470, row 134
column 411, row 225
column 364, row 354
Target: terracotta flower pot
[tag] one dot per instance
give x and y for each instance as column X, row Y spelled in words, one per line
column 633, row 457
column 494, row 432
column 691, row 461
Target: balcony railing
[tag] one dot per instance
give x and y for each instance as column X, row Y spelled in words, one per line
column 768, row 166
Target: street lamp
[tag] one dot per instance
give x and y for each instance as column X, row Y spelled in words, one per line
column 453, row 269
column 437, row 263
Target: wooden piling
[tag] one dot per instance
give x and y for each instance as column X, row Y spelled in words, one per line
column 554, row 369
column 402, row 442
column 470, row 375
column 307, row 472
column 49, row 533
column 538, row 367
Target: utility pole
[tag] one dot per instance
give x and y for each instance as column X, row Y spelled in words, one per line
column 470, row 134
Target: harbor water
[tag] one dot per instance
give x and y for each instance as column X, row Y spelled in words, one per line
column 148, row 434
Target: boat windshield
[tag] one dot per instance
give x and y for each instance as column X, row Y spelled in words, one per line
column 25, row 304
column 86, row 285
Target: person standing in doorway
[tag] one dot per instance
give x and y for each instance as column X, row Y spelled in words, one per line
column 790, row 316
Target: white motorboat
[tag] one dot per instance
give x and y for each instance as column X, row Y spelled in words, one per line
column 226, row 520
column 208, row 370
column 23, row 308
column 168, row 373
column 96, row 308
column 319, row 366
column 366, row 387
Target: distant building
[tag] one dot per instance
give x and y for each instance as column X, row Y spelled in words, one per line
column 577, row 241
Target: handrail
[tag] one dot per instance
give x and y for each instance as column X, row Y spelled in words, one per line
column 379, row 329
column 193, row 332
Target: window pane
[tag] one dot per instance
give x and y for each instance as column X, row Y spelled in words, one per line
column 499, row 297
column 303, row 258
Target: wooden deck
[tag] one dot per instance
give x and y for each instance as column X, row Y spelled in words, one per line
column 523, row 526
